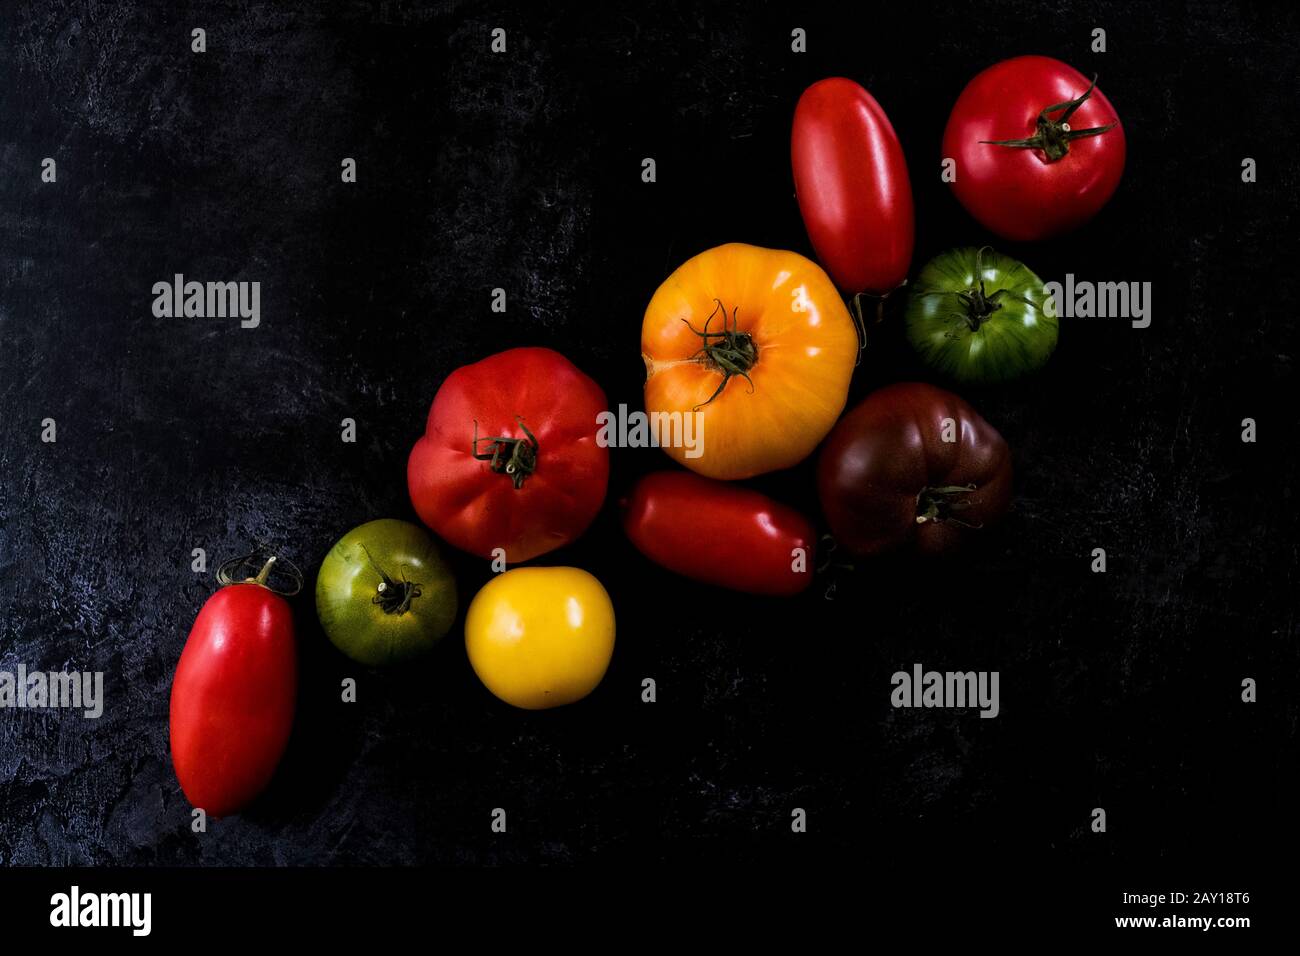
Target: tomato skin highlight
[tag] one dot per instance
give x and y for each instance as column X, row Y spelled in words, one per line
column 851, row 181
column 1017, row 192
column 512, row 393
column 233, row 697
column 719, row 534
column 886, row 463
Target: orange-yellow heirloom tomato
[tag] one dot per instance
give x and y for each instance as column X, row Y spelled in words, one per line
column 759, row 342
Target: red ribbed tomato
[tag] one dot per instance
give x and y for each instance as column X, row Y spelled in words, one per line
column 509, row 458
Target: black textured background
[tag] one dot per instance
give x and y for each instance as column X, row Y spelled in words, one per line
column 523, row 171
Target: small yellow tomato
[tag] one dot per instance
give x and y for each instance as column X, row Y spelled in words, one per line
column 540, row 637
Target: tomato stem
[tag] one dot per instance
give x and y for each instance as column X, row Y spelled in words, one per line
column 265, row 573
column 859, row 319
column 733, row 352
column 1054, row 136
column 977, row 302
column 237, row 571
column 936, row 504
column 979, row 305
column 394, row 597
column 515, row 457
column 827, row 565
column 860, row 322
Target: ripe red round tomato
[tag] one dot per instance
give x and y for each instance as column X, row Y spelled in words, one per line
column 889, row 478
column 851, row 181
column 718, row 533
column 509, row 458
column 1039, row 149
column 233, row 697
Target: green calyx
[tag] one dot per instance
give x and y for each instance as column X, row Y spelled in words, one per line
column 1054, row 136
column 729, row 351
column 943, row 503
column 977, row 303
column 393, row 596
column 513, row 457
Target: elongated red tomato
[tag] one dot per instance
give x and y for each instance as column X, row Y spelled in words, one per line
column 233, row 698
column 718, row 533
column 851, row 180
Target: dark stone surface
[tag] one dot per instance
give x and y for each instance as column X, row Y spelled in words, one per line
column 522, row 171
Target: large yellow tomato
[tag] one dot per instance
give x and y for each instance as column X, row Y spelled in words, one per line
column 759, row 342
column 540, row 637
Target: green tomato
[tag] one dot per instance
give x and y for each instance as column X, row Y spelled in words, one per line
column 980, row 317
column 384, row 594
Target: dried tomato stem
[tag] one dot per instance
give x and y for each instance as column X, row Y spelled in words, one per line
column 265, row 572
column 394, row 597
column 935, row 504
column 514, row 457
